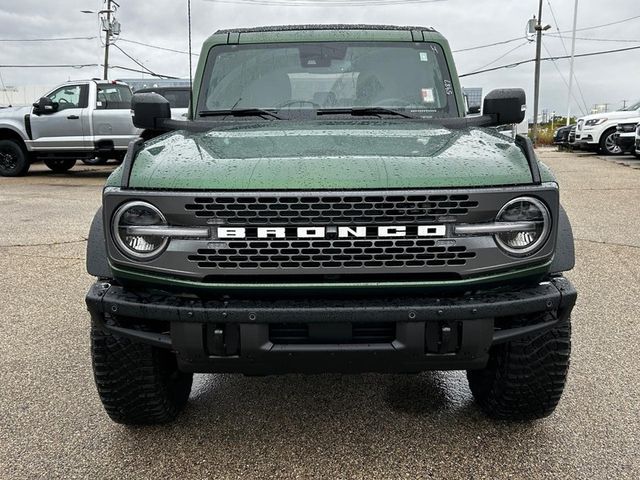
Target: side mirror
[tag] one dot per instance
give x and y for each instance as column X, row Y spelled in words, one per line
column 44, row 106
column 150, row 110
column 507, row 105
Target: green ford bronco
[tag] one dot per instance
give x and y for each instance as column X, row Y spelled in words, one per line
column 329, row 206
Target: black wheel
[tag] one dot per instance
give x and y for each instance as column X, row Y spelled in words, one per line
column 525, row 378
column 95, row 161
column 138, row 384
column 58, row 165
column 14, row 159
column 608, row 144
column 637, row 154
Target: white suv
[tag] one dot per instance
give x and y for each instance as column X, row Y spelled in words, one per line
column 597, row 132
column 626, row 134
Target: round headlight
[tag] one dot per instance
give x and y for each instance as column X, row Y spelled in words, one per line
column 132, row 244
column 535, row 215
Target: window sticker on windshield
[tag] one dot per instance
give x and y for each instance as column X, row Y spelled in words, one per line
column 427, row 95
column 424, row 57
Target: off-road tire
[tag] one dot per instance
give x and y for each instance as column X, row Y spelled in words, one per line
column 58, row 165
column 138, row 384
column 602, row 146
column 14, row 159
column 525, row 378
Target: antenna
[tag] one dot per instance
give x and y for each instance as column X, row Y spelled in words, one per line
column 190, row 61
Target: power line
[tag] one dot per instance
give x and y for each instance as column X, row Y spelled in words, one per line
column 134, row 60
column 58, row 39
column 505, row 54
column 129, row 69
column 603, row 25
column 66, row 65
column 135, row 42
column 595, row 39
column 511, row 40
column 326, row 3
column 573, row 95
column 556, row 35
column 522, row 62
column 87, row 65
column 566, row 51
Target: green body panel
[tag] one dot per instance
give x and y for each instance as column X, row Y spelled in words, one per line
column 423, row 286
column 317, row 156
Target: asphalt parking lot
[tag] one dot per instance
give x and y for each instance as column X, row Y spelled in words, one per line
column 330, row 426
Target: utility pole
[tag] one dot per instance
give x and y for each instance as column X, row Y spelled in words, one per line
column 573, row 54
column 110, row 26
column 106, row 41
column 536, row 89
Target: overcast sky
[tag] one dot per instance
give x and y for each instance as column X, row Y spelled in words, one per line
column 466, row 23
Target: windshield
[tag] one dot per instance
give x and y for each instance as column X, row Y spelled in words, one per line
column 410, row 77
column 635, row 106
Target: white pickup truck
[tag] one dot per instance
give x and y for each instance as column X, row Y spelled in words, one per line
column 80, row 120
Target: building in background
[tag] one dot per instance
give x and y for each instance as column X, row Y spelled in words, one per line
column 474, row 96
column 22, row 96
column 138, row 83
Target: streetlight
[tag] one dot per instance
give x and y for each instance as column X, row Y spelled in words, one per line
column 110, row 26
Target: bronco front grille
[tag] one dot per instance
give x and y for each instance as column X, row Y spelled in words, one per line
column 365, row 253
column 295, row 254
column 330, row 209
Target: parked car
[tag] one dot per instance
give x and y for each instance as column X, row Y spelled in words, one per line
column 77, row 120
column 637, row 148
column 625, row 136
column 561, row 136
column 597, row 132
column 572, row 137
column 178, row 97
column 329, row 206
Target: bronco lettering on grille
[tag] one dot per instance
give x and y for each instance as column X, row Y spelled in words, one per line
column 391, row 231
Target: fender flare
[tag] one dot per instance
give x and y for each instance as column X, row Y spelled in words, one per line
column 565, row 256
column 14, row 129
column 97, row 259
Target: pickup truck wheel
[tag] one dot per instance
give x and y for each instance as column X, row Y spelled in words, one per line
column 95, row 161
column 608, row 144
column 138, row 384
column 525, row 378
column 14, row 160
column 58, row 165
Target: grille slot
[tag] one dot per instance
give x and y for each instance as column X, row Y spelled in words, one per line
column 331, row 254
column 340, row 333
column 330, row 209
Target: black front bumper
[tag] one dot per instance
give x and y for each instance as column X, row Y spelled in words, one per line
column 381, row 334
column 626, row 143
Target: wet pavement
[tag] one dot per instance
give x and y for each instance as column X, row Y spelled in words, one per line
column 328, row 426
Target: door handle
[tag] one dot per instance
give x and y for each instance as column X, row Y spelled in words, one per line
column 73, row 117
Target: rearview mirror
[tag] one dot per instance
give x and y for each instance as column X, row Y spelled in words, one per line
column 45, row 105
column 150, row 110
column 507, row 105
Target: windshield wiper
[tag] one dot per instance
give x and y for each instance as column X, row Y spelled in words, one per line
column 364, row 111
column 239, row 112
